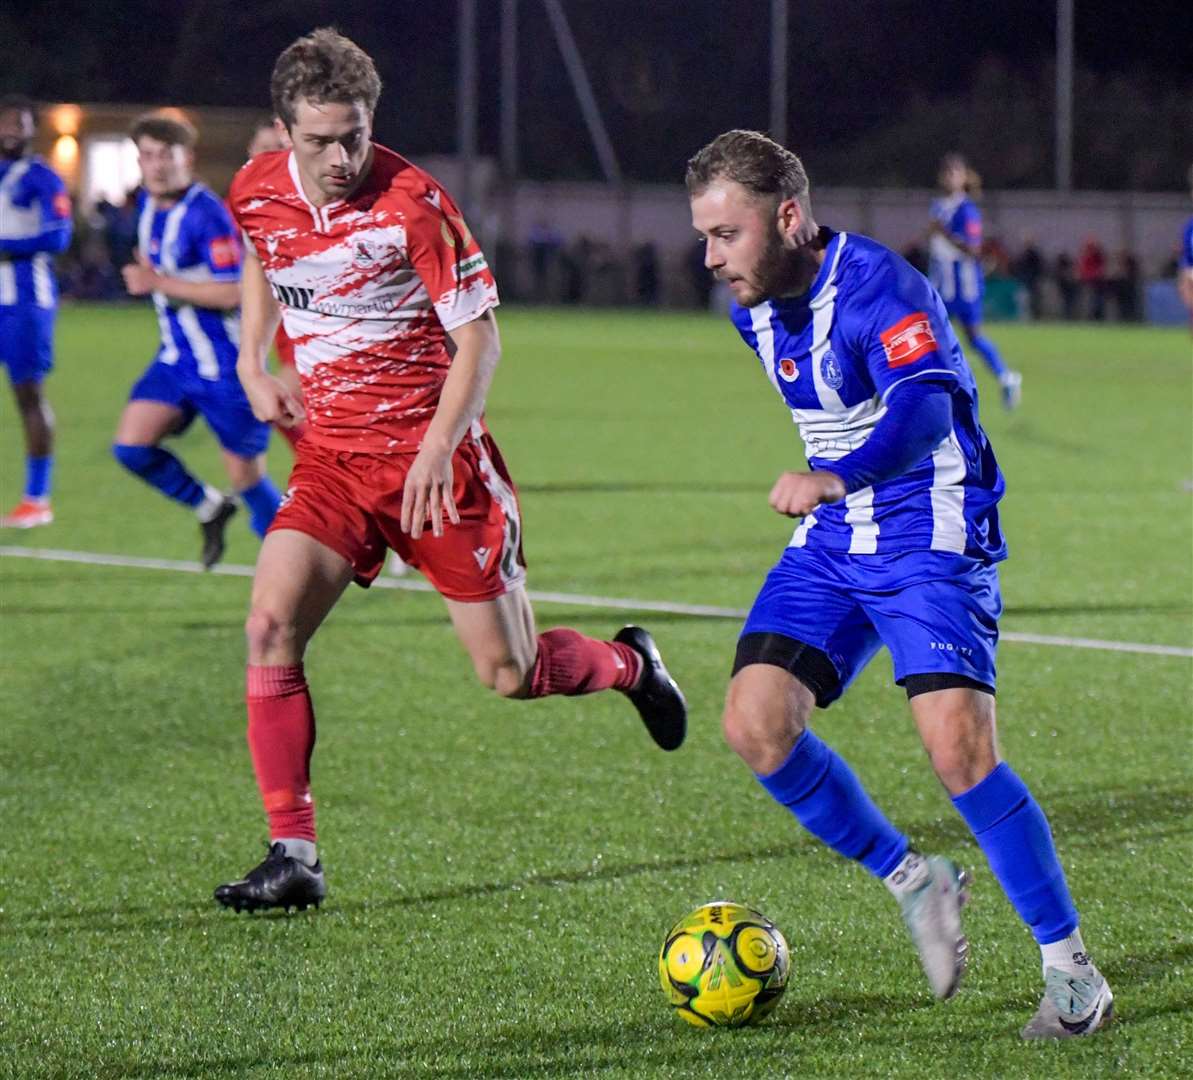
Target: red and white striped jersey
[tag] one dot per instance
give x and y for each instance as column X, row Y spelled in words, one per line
column 369, row 286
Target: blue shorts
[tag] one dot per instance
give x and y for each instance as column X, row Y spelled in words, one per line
column 220, row 402
column 936, row 612
column 966, row 312
column 27, row 342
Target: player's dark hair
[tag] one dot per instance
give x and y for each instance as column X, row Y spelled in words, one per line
column 751, row 159
column 19, row 103
column 169, row 129
column 973, row 179
column 323, row 67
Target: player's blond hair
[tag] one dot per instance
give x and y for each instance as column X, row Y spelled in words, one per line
column 324, row 66
column 753, row 160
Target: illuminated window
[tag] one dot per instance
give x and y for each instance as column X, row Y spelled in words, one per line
column 110, row 169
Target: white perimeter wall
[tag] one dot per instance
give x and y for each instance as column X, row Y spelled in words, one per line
column 1148, row 224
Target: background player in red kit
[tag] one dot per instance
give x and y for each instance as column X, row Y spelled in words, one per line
column 270, row 135
column 388, row 301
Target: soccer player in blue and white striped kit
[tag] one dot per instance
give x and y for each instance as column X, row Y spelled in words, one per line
column 898, row 546
column 188, row 260
column 1185, row 261
column 35, row 225
column 955, row 266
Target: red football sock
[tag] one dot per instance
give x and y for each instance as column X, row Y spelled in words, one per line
column 281, row 737
column 570, row 663
column 291, row 434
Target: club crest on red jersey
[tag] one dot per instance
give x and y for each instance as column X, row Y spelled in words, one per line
column 909, row 339
column 367, row 254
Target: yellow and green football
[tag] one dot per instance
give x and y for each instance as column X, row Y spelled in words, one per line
column 724, row 965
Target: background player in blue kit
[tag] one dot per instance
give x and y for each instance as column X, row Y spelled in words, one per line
column 35, row 226
column 898, row 547
column 955, row 249
column 1185, row 263
column 188, row 260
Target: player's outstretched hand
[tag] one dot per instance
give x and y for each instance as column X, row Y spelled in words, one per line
column 428, row 493
column 798, row 493
column 272, row 401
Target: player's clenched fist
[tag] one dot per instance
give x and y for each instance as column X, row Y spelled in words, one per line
column 798, row 493
column 272, row 401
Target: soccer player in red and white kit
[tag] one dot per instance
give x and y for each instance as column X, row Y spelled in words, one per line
column 388, row 301
column 270, row 135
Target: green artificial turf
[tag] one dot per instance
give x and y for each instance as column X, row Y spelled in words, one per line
column 501, row 873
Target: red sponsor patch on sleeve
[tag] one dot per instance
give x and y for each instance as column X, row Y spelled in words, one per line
column 224, row 252
column 908, row 340
column 61, row 204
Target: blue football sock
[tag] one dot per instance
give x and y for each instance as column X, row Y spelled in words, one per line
column 990, row 354
column 161, row 469
column 37, row 476
column 1013, row 832
column 816, row 785
column 263, row 500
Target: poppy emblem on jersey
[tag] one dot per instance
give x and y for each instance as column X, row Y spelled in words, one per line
column 61, row 205
column 909, row 339
column 830, row 370
column 788, row 372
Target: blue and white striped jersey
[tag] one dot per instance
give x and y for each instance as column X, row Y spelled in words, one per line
column 35, row 226
column 868, row 323
column 193, row 239
column 1187, row 246
column 957, row 276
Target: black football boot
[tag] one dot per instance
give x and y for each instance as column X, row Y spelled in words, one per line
column 279, row 882
column 213, row 534
column 657, row 698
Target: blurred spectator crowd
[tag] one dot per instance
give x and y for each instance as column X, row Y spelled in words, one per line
column 1026, row 284
column 546, row 268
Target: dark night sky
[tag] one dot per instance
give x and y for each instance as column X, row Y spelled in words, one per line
column 668, row 75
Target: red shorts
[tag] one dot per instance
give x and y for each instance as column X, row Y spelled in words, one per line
column 352, row 503
column 284, row 347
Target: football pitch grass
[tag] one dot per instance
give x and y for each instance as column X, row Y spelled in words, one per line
column 501, row 873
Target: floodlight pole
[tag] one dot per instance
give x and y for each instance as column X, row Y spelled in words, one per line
column 466, row 106
column 778, row 71
column 1064, row 95
column 588, row 106
column 509, row 90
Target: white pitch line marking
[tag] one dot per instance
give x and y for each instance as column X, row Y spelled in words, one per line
column 610, row 603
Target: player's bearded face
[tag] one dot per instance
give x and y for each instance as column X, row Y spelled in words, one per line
column 16, row 132
column 331, row 147
column 743, row 242
column 165, row 167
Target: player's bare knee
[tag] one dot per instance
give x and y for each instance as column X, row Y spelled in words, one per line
column 267, row 634
column 961, row 763
column 506, row 677
column 760, row 727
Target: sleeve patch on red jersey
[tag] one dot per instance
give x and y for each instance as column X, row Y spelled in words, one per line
column 908, row 340
column 225, row 252
column 474, row 264
column 61, row 204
